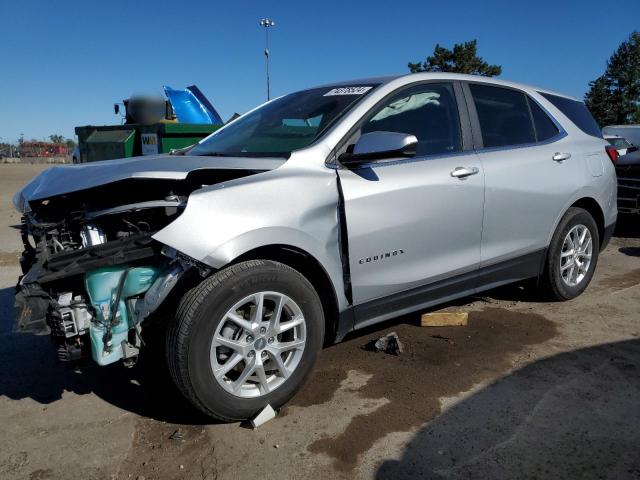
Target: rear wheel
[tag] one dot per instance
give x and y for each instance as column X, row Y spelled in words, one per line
column 572, row 255
column 245, row 337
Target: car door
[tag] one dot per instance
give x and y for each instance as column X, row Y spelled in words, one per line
column 413, row 223
column 529, row 177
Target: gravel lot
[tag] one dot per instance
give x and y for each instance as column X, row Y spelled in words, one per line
column 527, row 390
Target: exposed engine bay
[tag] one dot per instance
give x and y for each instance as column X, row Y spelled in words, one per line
column 92, row 271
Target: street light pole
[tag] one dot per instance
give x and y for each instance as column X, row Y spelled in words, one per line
column 266, row 23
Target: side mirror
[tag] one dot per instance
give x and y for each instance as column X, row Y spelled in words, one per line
column 632, row 148
column 116, row 108
column 378, row 146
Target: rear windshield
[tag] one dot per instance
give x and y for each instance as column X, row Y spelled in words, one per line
column 577, row 112
column 285, row 124
column 618, row 142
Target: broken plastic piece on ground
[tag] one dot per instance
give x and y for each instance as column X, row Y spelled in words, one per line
column 444, row 319
column 389, row 344
column 267, row 413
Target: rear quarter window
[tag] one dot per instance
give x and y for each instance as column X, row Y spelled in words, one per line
column 577, row 112
column 545, row 128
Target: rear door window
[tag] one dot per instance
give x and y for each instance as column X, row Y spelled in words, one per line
column 503, row 115
column 577, row 112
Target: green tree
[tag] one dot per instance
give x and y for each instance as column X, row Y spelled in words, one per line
column 598, row 100
column 614, row 97
column 57, row 139
column 462, row 59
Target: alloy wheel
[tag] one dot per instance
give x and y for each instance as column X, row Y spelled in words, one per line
column 575, row 256
column 258, row 344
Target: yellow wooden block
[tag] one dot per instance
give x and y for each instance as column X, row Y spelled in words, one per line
column 444, row 319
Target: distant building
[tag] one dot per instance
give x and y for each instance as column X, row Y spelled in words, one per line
column 42, row 149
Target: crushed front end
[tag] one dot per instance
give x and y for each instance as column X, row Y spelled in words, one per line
column 93, row 274
column 92, row 270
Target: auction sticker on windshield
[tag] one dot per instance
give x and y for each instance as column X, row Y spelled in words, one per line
column 347, row 91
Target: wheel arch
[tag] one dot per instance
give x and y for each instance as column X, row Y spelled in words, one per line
column 589, row 204
column 593, row 207
column 307, row 265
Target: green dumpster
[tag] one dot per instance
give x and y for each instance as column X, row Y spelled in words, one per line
column 121, row 141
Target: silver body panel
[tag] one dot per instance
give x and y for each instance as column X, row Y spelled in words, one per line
column 409, row 221
column 444, row 225
column 527, row 193
column 294, row 205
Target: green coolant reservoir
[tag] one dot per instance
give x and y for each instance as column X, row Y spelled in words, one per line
column 102, row 287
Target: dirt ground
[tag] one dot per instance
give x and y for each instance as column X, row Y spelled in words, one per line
column 527, row 390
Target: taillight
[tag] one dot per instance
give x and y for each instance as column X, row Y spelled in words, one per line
column 612, row 152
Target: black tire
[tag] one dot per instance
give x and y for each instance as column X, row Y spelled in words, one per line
column 202, row 309
column 552, row 281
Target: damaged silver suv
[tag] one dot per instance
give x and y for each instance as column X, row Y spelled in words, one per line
column 315, row 214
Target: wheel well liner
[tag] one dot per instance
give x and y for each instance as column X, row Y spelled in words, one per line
column 308, row 266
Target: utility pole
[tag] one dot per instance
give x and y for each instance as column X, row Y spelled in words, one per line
column 267, row 23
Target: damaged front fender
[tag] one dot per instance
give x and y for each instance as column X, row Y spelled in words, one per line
column 287, row 207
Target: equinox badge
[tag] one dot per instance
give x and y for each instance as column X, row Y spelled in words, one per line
column 381, row 256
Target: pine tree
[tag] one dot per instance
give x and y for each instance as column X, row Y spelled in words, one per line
column 614, row 98
column 462, row 59
column 598, row 100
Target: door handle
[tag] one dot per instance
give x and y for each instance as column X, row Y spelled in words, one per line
column 561, row 157
column 464, row 172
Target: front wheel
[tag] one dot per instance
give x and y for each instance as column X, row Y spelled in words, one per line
column 245, row 337
column 572, row 255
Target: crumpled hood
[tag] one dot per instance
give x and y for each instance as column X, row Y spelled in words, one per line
column 63, row 179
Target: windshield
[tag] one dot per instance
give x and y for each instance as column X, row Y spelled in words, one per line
column 286, row 124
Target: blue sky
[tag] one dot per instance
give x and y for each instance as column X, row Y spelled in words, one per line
column 64, row 63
